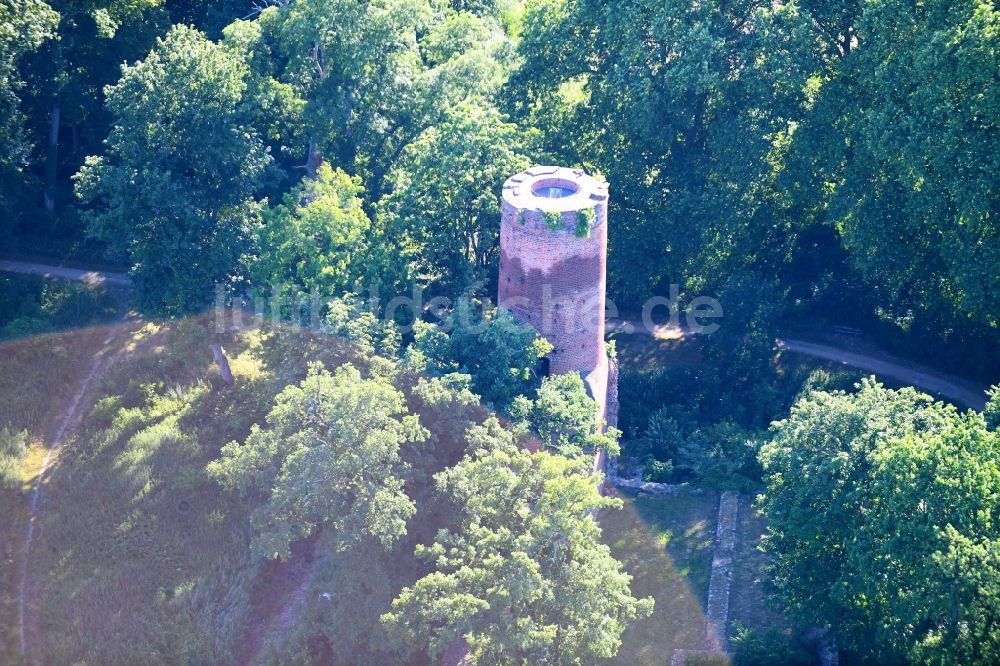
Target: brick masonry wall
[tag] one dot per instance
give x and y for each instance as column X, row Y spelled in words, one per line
column 555, row 280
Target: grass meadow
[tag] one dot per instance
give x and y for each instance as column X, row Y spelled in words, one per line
column 39, row 377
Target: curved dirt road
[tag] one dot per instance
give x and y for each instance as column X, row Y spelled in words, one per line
column 63, row 273
column 957, row 390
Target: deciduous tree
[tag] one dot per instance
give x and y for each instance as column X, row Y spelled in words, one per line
column 318, row 241
column 524, row 578
column 328, row 456
column 444, row 212
column 173, row 194
column 882, row 511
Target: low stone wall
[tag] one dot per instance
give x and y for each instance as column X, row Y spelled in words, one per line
column 640, row 486
column 721, row 580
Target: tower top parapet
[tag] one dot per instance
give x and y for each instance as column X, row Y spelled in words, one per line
column 554, row 189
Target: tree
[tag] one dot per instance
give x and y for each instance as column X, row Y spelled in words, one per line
column 366, row 86
column 919, row 160
column 501, row 355
column 444, row 211
column 881, row 508
column 318, row 240
column 430, row 351
column 349, row 319
column 684, row 108
column 328, row 456
column 932, row 552
column 516, row 579
column 68, row 76
column 24, row 25
column 174, row 192
column 566, row 416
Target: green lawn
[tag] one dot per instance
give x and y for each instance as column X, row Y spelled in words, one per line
column 641, row 352
column 139, row 557
column 748, row 604
column 665, row 542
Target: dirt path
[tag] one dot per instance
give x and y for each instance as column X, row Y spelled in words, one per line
column 278, row 603
column 953, row 388
column 61, row 272
column 28, row 631
column 281, row 624
column 958, row 390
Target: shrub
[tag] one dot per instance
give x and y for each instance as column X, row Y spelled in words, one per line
column 642, row 393
column 676, row 448
column 75, row 305
column 13, row 448
column 23, row 327
column 756, row 648
column 706, row 659
column 563, row 416
column 20, row 297
column 658, row 471
column 821, row 379
column 553, row 220
column 30, row 305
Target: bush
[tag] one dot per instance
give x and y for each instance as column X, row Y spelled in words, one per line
column 706, row 659
column 76, row 305
column 563, row 416
column 756, row 648
column 992, row 410
column 19, row 297
column 821, row 379
column 642, row 393
column 31, row 305
column 659, row 471
column 24, row 327
column 677, row 448
column 13, row 448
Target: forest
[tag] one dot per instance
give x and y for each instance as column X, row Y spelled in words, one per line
column 364, row 483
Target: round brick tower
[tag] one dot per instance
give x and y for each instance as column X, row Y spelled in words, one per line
column 553, row 270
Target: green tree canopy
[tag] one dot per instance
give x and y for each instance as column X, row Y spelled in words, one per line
column 318, row 240
column 915, row 190
column 174, row 192
column 565, row 416
column 367, row 85
column 24, row 25
column 931, row 555
column 501, row 355
column 882, row 508
column 516, row 579
column 328, row 456
column 444, row 211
